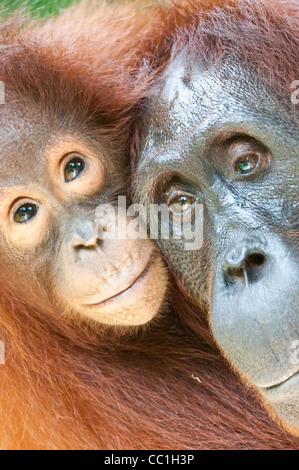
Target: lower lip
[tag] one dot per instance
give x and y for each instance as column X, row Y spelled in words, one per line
column 123, row 293
column 282, row 387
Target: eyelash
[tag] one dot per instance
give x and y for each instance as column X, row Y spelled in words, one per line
column 177, row 191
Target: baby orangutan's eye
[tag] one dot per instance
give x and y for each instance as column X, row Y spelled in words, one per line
column 74, row 169
column 26, row 213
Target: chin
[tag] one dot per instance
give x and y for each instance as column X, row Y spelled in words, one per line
column 137, row 304
column 284, row 398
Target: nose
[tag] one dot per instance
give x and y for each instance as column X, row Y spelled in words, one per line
column 244, row 264
column 85, row 236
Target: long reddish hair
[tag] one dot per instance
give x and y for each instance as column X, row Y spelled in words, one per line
column 70, row 384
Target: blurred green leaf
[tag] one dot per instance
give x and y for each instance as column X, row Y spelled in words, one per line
column 36, row 7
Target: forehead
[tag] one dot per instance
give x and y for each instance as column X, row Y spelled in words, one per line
column 25, row 133
column 195, row 101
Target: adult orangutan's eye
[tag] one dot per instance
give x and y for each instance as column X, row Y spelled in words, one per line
column 74, row 169
column 181, row 204
column 26, row 213
column 247, row 164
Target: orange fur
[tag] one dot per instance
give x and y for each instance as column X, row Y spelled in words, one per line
column 71, row 384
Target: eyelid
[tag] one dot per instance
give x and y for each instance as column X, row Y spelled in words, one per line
column 25, row 200
column 178, row 191
column 88, row 182
column 14, row 203
column 17, row 204
column 67, row 158
column 73, row 154
column 35, row 206
column 242, row 148
column 30, row 233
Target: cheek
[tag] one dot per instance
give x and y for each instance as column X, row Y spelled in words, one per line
column 91, row 182
column 29, row 238
column 27, row 276
column 27, row 255
column 189, row 266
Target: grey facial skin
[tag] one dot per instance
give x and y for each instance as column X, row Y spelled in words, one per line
column 217, row 136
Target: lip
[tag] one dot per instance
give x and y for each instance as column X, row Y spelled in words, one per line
column 128, row 289
column 291, row 381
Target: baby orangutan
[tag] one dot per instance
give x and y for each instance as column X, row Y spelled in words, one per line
column 68, row 382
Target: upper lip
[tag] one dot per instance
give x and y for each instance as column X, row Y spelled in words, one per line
column 144, row 271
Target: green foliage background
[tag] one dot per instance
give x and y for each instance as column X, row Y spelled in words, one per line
column 37, row 7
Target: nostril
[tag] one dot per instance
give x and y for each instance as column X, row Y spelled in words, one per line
column 253, row 266
column 92, row 244
column 235, row 274
column 255, row 260
column 85, row 247
column 248, row 270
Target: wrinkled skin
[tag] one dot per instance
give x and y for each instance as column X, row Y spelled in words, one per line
column 53, row 178
column 218, row 137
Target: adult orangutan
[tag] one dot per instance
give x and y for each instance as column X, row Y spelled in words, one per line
column 81, row 370
column 222, row 131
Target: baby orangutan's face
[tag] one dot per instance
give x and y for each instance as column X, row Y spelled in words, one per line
column 50, row 235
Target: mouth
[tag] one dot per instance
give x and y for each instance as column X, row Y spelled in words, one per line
column 128, row 290
column 292, row 380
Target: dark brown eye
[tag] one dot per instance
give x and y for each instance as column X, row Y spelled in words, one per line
column 26, row 213
column 247, row 164
column 74, row 169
